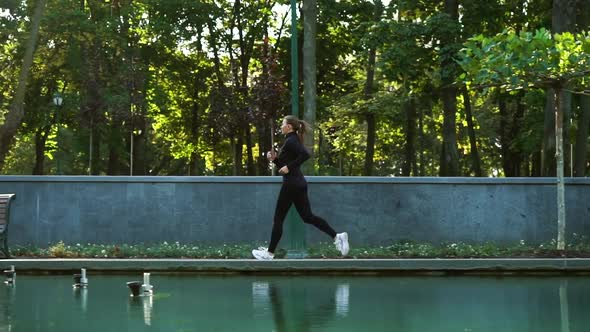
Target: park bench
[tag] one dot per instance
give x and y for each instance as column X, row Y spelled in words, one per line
column 5, row 200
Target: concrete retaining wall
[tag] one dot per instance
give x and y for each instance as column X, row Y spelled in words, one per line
column 215, row 210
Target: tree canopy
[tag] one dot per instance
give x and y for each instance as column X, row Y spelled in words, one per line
column 180, row 87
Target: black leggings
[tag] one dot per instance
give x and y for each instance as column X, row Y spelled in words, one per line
column 295, row 194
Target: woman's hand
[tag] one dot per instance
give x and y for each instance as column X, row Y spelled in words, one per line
column 271, row 155
column 284, row 170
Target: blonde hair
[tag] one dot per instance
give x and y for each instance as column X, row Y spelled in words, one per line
column 299, row 126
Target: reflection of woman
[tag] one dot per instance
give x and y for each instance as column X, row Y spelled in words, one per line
column 294, row 189
column 301, row 318
column 277, row 309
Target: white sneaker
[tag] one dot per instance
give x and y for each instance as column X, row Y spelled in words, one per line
column 341, row 243
column 262, row 254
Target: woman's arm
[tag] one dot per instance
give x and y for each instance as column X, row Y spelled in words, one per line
column 278, row 162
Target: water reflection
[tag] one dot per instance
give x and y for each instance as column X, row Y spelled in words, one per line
column 295, row 306
column 7, row 307
column 142, row 306
column 564, row 307
column 308, row 303
column 81, row 295
column 342, row 296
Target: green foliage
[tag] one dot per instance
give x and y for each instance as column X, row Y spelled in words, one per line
column 162, row 250
column 578, row 247
column 179, row 81
column 538, row 59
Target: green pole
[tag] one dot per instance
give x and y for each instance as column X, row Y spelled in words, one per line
column 294, row 61
column 296, row 233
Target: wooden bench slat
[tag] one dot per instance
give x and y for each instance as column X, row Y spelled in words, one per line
column 5, row 200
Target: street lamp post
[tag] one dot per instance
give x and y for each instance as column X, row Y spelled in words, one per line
column 57, row 101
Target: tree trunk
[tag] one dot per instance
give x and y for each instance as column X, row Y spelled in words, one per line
column 563, row 20
column 195, row 163
column 139, row 145
column 92, row 91
column 40, row 140
column 504, row 138
column 517, row 119
column 476, row 164
column 583, row 19
column 136, row 88
column 370, row 151
column 581, row 151
column 548, row 147
column 216, row 61
column 526, row 169
column 264, row 125
column 567, row 144
column 246, row 47
column 582, row 136
column 264, row 143
column 195, row 124
column 409, row 149
column 422, row 171
column 536, row 164
column 563, row 16
column 559, row 97
column 251, row 167
column 368, row 93
column 95, row 153
column 449, row 164
column 238, row 154
column 232, row 144
column 370, row 117
column 15, row 114
column 510, row 124
column 140, row 124
column 114, row 166
column 309, row 77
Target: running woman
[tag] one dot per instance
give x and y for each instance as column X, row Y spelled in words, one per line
column 294, row 189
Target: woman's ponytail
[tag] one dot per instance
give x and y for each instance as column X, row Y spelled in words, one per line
column 303, row 129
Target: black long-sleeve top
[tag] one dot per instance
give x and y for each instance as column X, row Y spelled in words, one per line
column 292, row 155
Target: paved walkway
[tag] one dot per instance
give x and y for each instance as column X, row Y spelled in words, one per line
column 338, row 266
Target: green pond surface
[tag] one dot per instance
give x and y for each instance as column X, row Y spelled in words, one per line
column 298, row 303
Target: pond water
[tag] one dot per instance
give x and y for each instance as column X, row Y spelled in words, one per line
column 298, row 303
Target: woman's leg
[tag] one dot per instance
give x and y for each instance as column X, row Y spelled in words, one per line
column 283, row 204
column 302, row 205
